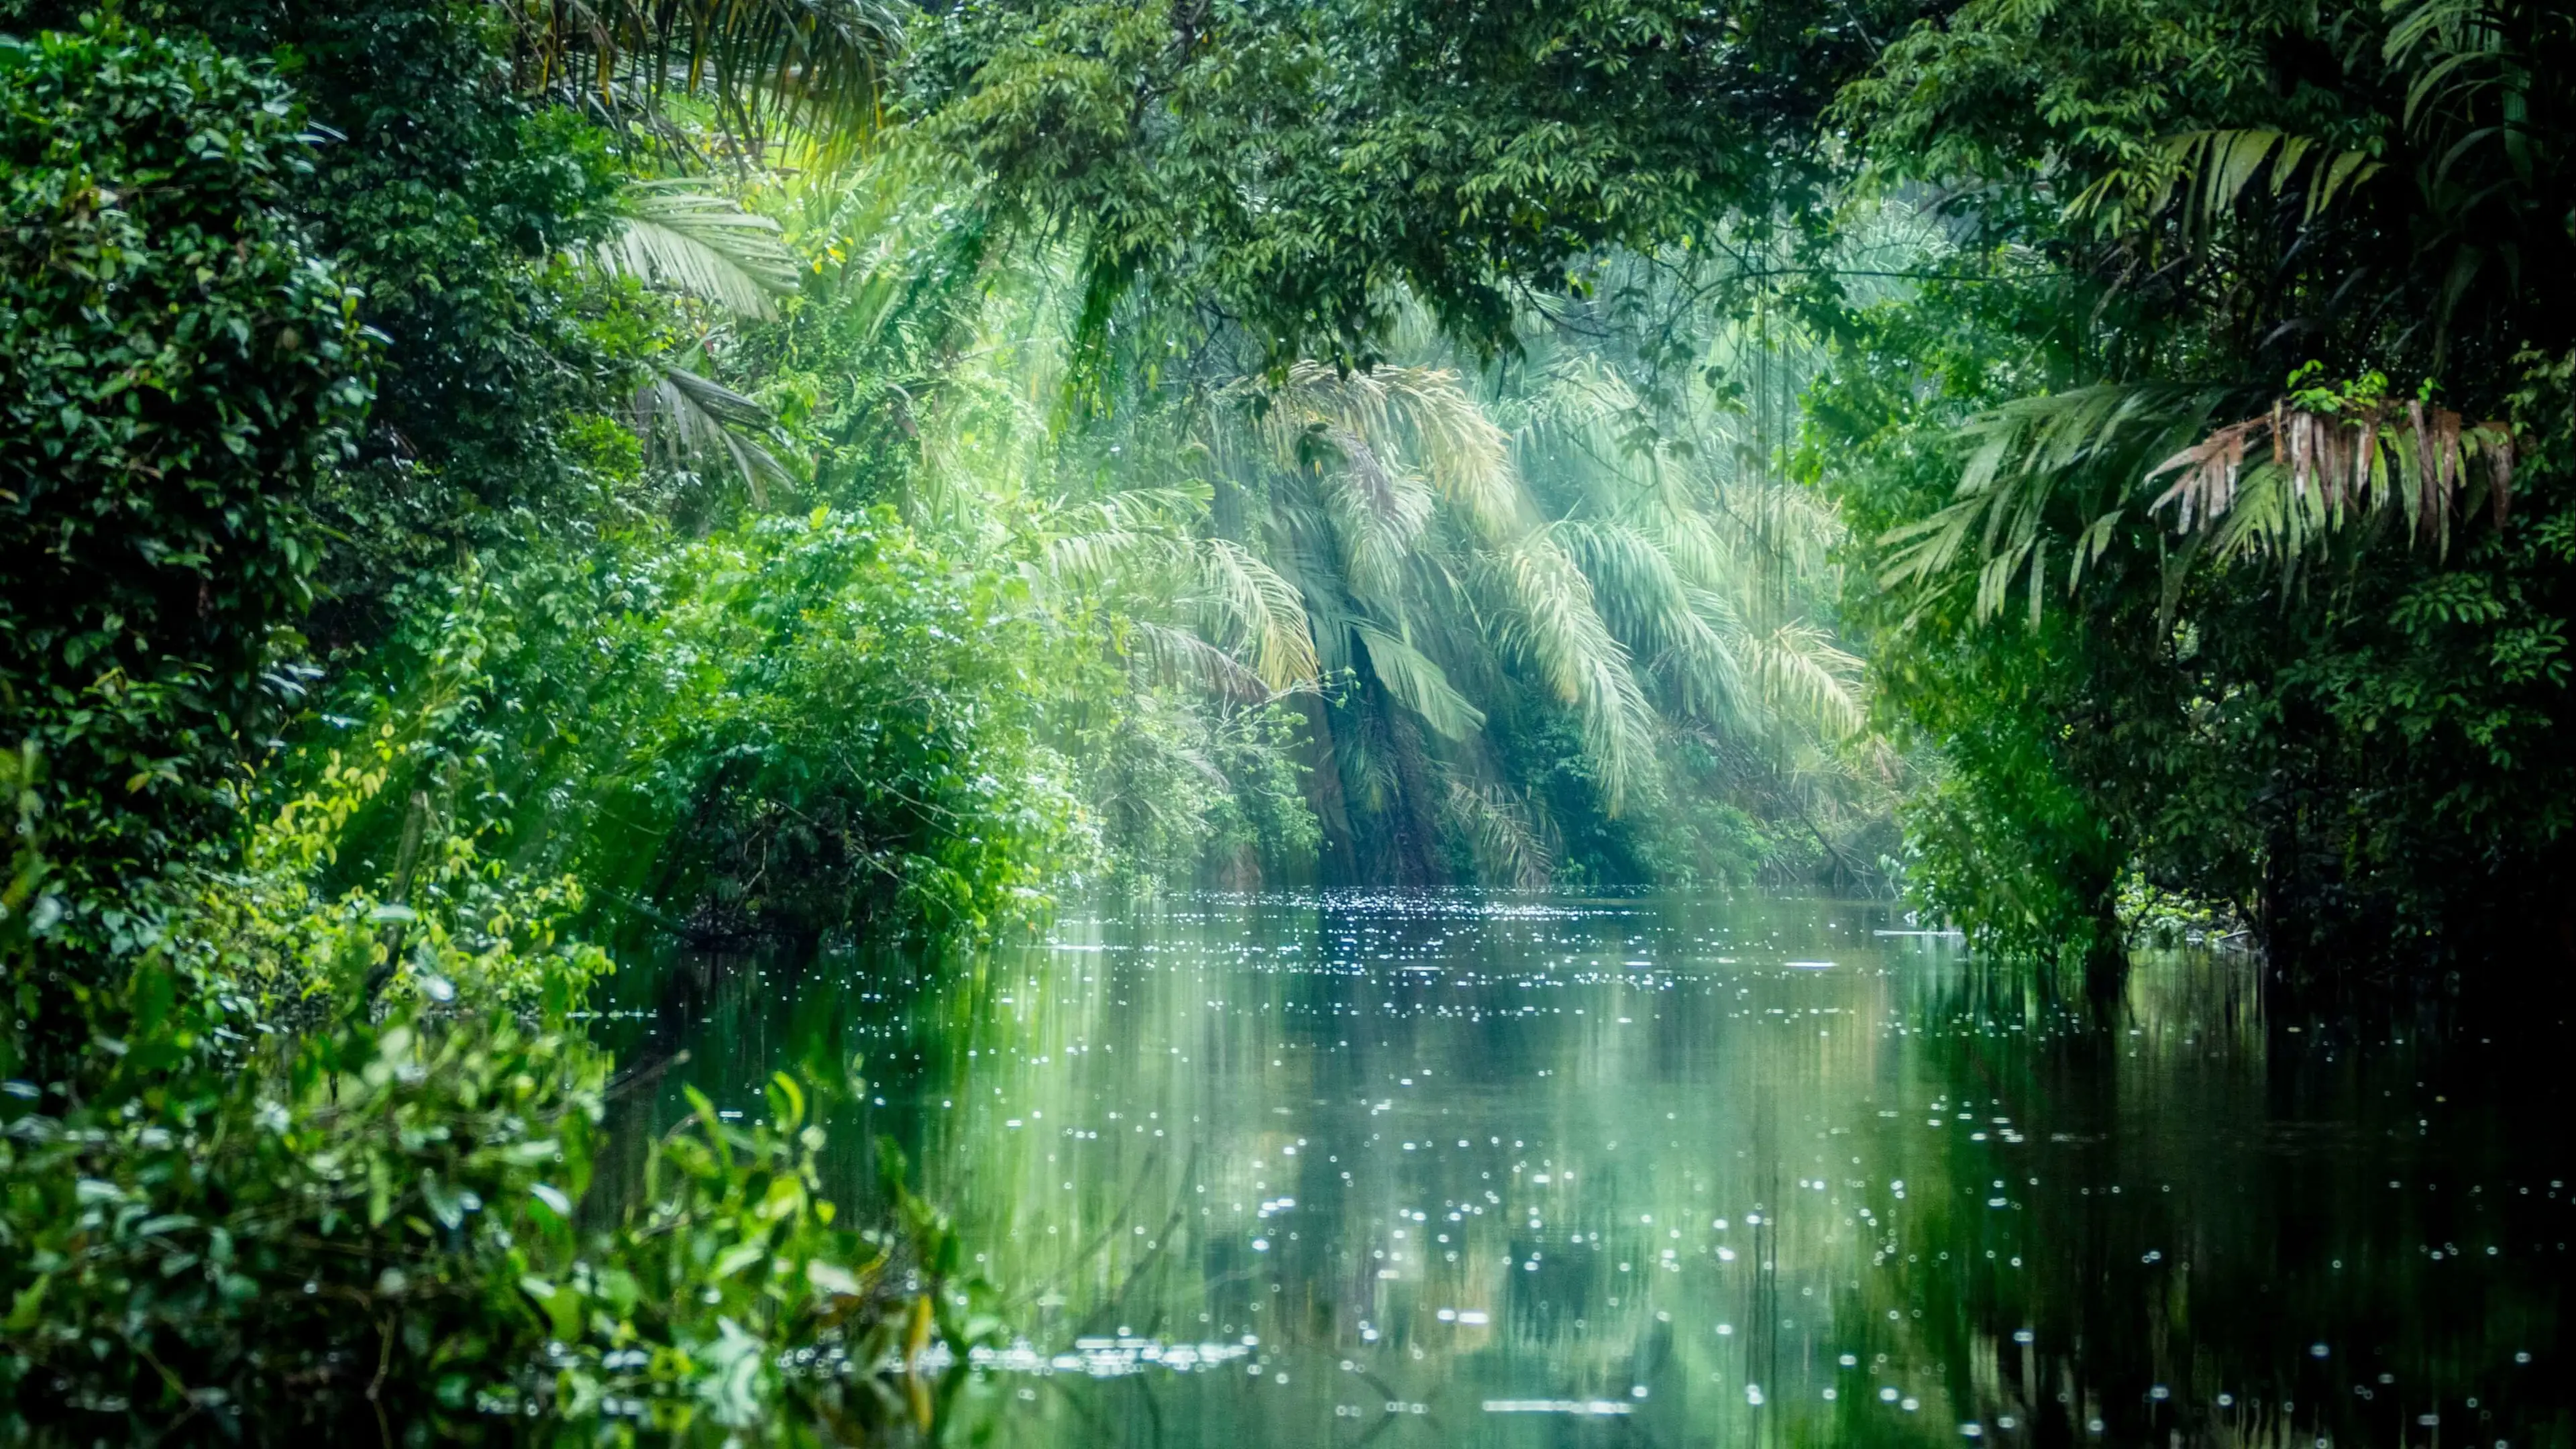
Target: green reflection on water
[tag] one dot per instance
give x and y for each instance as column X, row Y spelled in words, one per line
column 1454, row 1169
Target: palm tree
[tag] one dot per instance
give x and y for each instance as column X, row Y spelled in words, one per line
column 765, row 67
column 1434, row 570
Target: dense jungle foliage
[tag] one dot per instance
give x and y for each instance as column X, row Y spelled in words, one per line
column 489, row 487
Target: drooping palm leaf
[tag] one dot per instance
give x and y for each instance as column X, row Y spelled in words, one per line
column 694, row 422
column 763, row 64
column 2208, row 172
column 1512, row 845
column 1418, row 683
column 2046, row 472
column 2414, row 461
column 2056, row 476
column 1177, row 656
column 1555, row 626
column 1802, row 672
column 675, row 234
column 1265, row 607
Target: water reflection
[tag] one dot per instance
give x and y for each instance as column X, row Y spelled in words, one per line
column 1479, row 1170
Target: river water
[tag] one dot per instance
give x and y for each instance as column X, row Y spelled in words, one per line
column 1542, row 1170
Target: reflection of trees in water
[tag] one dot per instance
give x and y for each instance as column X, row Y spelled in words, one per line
column 2277, row 1150
column 2210, row 1204
column 1594, row 1321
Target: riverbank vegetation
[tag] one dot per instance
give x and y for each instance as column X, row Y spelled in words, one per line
column 489, row 488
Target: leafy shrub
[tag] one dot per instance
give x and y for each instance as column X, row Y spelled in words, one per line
column 830, row 724
column 223, row 1226
column 1186, row 792
column 274, row 939
column 175, row 366
column 798, row 726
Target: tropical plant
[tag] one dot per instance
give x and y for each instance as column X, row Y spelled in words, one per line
column 673, row 232
column 763, row 66
column 2300, row 670
column 233, row 1228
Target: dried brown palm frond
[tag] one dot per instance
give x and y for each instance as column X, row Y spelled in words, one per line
column 2413, row 460
column 2058, row 477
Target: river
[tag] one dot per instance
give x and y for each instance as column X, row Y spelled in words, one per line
column 1473, row 1169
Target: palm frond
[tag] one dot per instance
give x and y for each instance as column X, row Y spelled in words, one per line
column 2208, row 172
column 763, row 64
column 1141, row 531
column 2061, row 474
column 692, row 422
column 1177, row 656
column 1418, row 683
column 673, row 234
column 2023, row 478
column 1421, row 412
column 1639, row 591
column 1511, row 845
column 1804, row 675
column 1378, row 513
column 1556, row 627
column 2413, row 461
column 1265, row 608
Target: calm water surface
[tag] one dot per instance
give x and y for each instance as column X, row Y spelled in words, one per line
column 1540, row 1170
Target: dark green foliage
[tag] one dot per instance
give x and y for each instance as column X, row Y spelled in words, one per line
column 839, row 727
column 2346, row 732
column 398, row 1225
column 1297, row 169
column 177, row 366
column 800, row 726
column 631, row 57
column 448, row 201
column 1215, row 796
column 262, row 1208
column 258, row 1179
